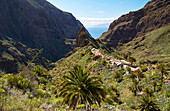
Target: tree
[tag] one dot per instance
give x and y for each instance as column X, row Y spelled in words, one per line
column 131, row 59
column 148, row 104
column 154, row 84
column 136, row 75
column 162, row 69
column 79, row 87
column 135, row 87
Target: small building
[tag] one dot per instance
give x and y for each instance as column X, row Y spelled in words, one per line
column 167, row 82
column 117, row 63
column 134, row 69
column 108, row 57
column 153, row 67
column 98, row 55
column 93, row 49
column 125, row 62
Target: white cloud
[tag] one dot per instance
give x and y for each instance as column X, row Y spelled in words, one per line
column 123, row 2
column 96, row 22
column 100, row 12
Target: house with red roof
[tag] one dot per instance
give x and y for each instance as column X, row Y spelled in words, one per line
column 167, row 82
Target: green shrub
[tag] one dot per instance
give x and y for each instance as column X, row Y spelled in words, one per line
column 82, row 54
column 41, row 92
column 144, row 68
column 19, row 82
column 39, row 71
column 53, row 88
column 43, row 80
column 128, row 68
column 131, row 59
column 103, row 62
column 94, row 58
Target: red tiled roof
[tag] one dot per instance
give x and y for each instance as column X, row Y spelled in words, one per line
column 168, row 80
column 153, row 66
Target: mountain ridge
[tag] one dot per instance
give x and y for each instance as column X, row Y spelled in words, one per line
column 154, row 15
column 38, row 24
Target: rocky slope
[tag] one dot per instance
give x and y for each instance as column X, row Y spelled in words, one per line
column 154, row 15
column 38, row 24
column 14, row 56
column 84, row 38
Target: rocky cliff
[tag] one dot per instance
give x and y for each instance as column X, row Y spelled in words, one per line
column 38, row 24
column 84, row 38
column 154, row 15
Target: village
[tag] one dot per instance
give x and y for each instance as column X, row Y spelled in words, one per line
column 117, row 63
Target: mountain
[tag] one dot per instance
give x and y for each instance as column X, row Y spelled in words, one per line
column 84, row 38
column 14, row 56
column 38, row 24
column 154, row 15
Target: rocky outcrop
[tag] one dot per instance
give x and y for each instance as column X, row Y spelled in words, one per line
column 38, row 24
column 82, row 38
column 154, row 15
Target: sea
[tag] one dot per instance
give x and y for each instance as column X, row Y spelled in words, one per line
column 96, row 32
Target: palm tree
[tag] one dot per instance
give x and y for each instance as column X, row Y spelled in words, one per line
column 79, row 87
column 148, row 104
column 162, row 69
column 135, row 87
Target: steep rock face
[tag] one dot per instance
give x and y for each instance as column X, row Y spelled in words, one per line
column 82, row 38
column 154, row 15
column 15, row 55
column 38, row 24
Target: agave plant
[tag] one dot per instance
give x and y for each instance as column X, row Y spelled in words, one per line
column 79, row 87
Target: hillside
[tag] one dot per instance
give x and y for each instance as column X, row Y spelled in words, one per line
column 154, row 45
column 14, row 56
column 154, row 15
column 38, row 24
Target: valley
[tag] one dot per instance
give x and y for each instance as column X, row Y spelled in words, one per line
column 50, row 62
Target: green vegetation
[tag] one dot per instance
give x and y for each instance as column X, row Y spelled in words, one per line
column 15, row 56
column 148, row 104
column 154, row 45
column 79, row 82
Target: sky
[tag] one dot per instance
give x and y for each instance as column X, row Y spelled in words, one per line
column 98, row 13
